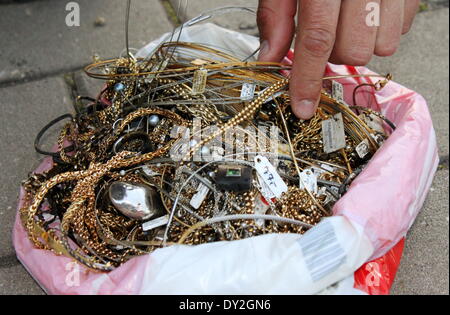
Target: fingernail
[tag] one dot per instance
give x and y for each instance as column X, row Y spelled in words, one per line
column 263, row 49
column 304, row 109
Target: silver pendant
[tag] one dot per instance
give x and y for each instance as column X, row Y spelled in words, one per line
column 136, row 201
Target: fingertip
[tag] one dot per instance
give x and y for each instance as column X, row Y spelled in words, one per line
column 304, row 109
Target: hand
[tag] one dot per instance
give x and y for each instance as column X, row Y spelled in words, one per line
column 328, row 30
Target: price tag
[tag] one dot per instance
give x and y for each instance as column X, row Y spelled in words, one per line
column 374, row 122
column 308, row 181
column 153, row 224
column 247, row 91
column 198, row 198
column 333, row 133
column 265, row 190
column 270, row 176
column 199, row 81
column 337, row 92
column 362, row 149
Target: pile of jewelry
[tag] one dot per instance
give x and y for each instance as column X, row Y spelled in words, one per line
column 192, row 145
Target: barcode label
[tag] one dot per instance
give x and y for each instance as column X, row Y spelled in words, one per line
column 321, row 250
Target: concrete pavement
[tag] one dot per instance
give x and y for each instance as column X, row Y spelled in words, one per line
column 40, row 59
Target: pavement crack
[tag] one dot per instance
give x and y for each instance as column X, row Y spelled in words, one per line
column 36, row 77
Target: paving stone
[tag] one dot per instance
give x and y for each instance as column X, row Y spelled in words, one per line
column 36, row 41
column 26, row 109
column 421, row 64
column 424, row 266
column 16, row 280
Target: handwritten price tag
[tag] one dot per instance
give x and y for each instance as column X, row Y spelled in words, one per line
column 270, row 176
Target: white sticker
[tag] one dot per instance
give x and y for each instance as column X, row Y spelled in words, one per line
column 308, row 181
column 337, row 92
column 270, row 176
column 362, row 148
column 153, row 224
column 199, row 81
column 247, row 91
column 198, row 198
column 333, row 133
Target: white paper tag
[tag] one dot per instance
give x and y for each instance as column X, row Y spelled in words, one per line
column 308, row 180
column 333, row 133
column 337, row 92
column 247, row 91
column 265, row 190
column 198, row 198
column 270, row 176
column 362, row 148
column 374, row 122
column 153, row 224
column 199, row 81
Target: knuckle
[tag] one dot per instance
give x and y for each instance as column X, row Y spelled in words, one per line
column 264, row 14
column 356, row 57
column 386, row 50
column 318, row 41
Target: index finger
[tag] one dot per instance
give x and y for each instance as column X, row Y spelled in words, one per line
column 317, row 22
